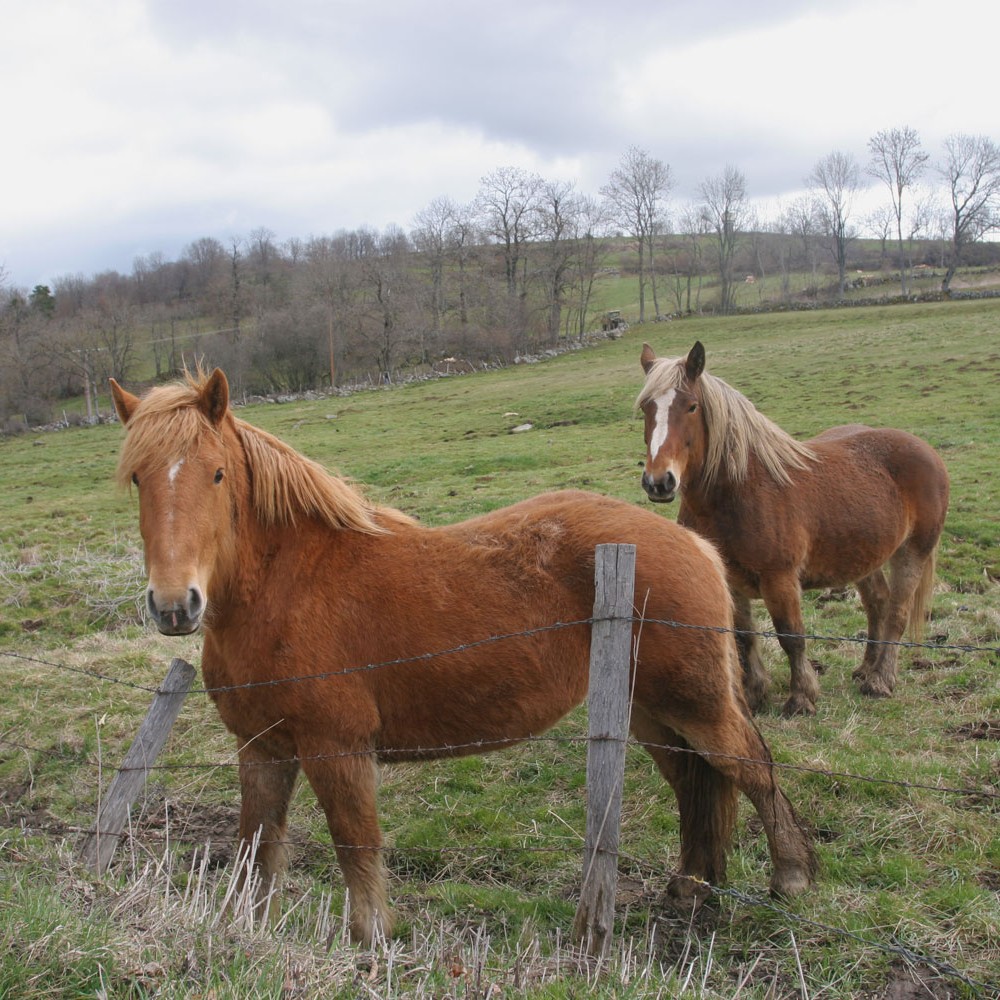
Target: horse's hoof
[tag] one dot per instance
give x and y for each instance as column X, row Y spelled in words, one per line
column 875, row 688
column 789, row 884
column 798, row 704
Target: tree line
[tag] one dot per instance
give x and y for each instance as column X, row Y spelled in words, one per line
column 512, row 272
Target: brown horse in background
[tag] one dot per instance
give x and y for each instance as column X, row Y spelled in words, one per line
column 789, row 516
column 338, row 634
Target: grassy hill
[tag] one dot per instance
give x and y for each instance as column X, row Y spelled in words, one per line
column 485, row 852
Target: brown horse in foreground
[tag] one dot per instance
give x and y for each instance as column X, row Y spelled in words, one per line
column 320, row 612
column 789, row 516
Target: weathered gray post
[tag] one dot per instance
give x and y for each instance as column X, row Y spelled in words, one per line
column 98, row 848
column 608, row 709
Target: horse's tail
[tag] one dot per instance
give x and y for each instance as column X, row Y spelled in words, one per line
column 921, row 604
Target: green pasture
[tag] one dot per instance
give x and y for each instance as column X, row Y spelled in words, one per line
column 485, row 853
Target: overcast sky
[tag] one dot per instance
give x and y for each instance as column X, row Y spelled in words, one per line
column 137, row 126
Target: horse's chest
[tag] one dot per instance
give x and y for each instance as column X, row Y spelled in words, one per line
column 247, row 701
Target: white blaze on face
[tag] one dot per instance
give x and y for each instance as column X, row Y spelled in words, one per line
column 171, row 476
column 173, row 470
column 661, row 428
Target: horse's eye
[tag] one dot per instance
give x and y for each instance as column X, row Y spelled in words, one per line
column 135, row 479
column 218, row 475
column 692, row 407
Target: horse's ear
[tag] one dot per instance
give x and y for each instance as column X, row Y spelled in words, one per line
column 695, row 363
column 214, row 400
column 647, row 358
column 125, row 402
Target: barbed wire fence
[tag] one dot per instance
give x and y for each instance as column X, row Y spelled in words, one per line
column 892, row 947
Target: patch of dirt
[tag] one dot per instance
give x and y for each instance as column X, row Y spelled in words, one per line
column 989, row 879
column 917, row 982
column 923, row 663
column 985, row 729
column 32, row 817
column 196, row 824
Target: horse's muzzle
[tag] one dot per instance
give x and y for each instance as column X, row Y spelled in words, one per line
column 660, row 490
column 177, row 618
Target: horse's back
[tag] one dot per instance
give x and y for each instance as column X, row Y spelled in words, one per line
column 559, row 531
column 915, row 469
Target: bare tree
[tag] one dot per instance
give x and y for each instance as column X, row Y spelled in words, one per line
column 506, row 210
column 688, row 268
column 207, row 258
column 879, row 223
column 635, row 194
column 559, row 210
column 971, row 169
column 507, row 201
column 464, row 239
column 897, row 159
column 432, row 239
column 836, row 179
column 591, row 246
column 330, row 278
column 801, row 220
column 726, row 211
column 387, row 297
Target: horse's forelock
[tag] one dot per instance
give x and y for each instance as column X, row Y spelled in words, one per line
column 665, row 374
column 166, row 418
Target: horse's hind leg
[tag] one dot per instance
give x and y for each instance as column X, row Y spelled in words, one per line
column 756, row 682
column 908, row 568
column 345, row 786
column 266, row 785
column 706, row 802
column 783, row 597
column 874, row 593
column 733, row 746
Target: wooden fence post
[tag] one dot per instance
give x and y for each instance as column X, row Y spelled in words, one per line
column 608, row 710
column 99, row 847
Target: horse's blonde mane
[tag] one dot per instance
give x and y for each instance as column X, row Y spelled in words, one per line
column 736, row 428
column 284, row 483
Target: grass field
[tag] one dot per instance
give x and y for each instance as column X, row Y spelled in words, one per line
column 485, row 853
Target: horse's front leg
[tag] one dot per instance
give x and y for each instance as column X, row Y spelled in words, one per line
column 266, row 784
column 345, row 786
column 783, row 597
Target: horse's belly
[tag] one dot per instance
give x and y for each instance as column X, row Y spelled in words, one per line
column 494, row 701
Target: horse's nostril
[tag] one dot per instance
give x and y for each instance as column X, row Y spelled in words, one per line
column 194, row 602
